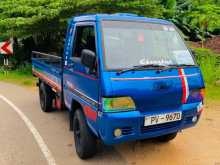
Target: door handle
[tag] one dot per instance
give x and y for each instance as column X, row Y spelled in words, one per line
column 70, row 66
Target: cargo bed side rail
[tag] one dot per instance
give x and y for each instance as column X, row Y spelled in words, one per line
column 48, row 58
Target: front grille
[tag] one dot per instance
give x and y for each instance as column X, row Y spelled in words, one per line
column 159, row 127
column 126, row 130
column 188, row 120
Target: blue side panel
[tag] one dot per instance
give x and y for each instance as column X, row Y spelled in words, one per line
column 47, row 72
column 84, row 90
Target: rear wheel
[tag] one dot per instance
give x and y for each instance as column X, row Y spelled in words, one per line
column 46, row 97
column 167, row 138
column 85, row 141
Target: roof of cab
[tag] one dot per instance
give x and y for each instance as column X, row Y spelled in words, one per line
column 118, row 16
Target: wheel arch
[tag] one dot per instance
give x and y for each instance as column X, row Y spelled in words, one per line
column 40, row 81
column 74, row 106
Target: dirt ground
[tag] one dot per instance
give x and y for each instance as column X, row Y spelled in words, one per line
column 194, row 146
column 211, row 43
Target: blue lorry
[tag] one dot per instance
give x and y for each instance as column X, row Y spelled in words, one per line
column 122, row 77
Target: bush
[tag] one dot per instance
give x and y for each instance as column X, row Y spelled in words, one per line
column 22, row 75
column 209, row 64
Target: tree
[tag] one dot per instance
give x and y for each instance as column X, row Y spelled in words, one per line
column 24, row 18
column 149, row 8
column 170, row 6
column 197, row 18
column 206, row 17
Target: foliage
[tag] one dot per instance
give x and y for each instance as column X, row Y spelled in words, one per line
column 22, row 75
column 206, row 18
column 149, row 8
column 210, row 66
column 170, row 6
column 24, row 18
column 197, row 18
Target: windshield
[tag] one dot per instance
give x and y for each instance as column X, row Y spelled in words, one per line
column 128, row 44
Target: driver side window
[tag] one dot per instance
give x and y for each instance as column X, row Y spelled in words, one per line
column 84, row 39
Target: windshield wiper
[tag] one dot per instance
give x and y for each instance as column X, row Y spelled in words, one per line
column 182, row 65
column 160, row 67
column 141, row 67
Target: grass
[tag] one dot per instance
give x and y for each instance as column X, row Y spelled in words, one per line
column 22, row 76
column 208, row 62
column 212, row 92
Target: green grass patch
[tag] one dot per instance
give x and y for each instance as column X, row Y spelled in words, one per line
column 212, row 92
column 22, row 76
column 208, row 62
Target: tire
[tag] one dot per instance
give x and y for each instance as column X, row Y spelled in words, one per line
column 85, row 141
column 46, row 98
column 167, row 138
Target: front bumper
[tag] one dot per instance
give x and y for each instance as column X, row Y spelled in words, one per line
column 132, row 124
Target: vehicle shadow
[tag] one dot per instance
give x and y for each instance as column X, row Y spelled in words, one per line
column 105, row 154
column 108, row 155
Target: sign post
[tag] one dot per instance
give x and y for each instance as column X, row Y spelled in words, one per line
column 6, row 61
column 5, row 65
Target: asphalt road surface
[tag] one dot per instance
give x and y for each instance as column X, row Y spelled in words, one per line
column 29, row 136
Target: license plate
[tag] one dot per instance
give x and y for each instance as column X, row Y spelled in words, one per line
column 162, row 118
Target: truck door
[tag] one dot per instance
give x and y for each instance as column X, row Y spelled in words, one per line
column 79, row 82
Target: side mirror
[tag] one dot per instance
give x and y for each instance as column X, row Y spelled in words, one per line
column 88, row 58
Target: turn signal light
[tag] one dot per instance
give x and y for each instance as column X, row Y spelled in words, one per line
column 118, row 104
column 202, row 92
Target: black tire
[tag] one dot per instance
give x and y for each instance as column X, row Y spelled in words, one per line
column 167, row 138
column 85, row 141
column 46, row 98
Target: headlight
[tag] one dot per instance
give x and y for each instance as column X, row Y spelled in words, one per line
column 118, row 104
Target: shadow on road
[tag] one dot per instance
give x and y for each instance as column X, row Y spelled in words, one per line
column 105, row 153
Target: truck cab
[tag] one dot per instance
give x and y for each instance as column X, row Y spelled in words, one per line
column 123, row 77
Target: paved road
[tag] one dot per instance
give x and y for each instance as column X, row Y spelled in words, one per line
column 18, row 146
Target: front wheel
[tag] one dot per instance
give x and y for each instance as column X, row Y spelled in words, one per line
column 167, row 138
column 85, row 141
